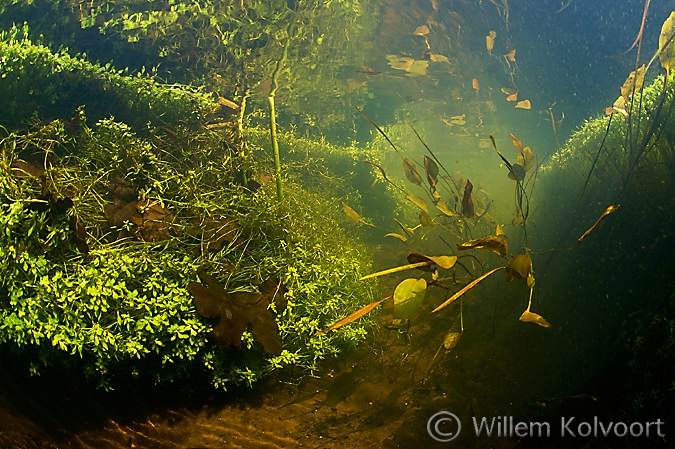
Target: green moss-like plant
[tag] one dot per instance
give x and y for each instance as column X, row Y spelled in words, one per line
column 123, row 306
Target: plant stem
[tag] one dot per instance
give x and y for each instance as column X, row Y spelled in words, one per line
column 273, row 116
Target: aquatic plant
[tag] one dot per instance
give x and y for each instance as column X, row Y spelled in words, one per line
column 231, row 47
column 106, row 226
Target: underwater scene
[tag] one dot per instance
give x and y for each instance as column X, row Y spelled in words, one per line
column 337, row 224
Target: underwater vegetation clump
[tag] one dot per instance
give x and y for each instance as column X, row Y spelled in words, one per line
column 135, row 249
column 231, row 46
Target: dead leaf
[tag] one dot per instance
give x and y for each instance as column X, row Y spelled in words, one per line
column 491, row 243
column 212, row 301
column 512, row 97
column 353, row 316
column 465, row 289
column 517, row 143
column 467, row 203
column 611, row 208
column 633, row 83
column 445, row 262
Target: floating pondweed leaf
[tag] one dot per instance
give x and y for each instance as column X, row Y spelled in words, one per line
column 419, row 202
column 418, row 68
column 491, row 243
column 518, row 267
column 468, row 287
column 512, row 97
column 519, row 171
column 528, row 159
column 667, row 44
column 490, row 41
column 531, row 317
column 426, row 220
column 458, row 119
column 511, row 56
column 618, row 106
column 402, row 238
column 525, row 104
column 212, row 301
column 611, row 208
column 434, row 57
column 445, row 262
column 499, row 231
column 353, row 316
column 421, row 30
column 443, row 207
column 408, row 297
column 467, row 203
column 451, row 339
column 475, row 85
column 351, row 213
column 431, row 170
column 633, row 83
column 411, row 172
column 400, row 62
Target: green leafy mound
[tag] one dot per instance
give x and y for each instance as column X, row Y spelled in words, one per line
column 36, row 79
column 121, row 304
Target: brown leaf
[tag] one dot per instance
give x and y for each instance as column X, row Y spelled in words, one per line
column 353, row 316
column 491, row 243
column 465, row 289
column 517, row 143
column 467, row 203
column 611, row 208
column 445, row 262
column 236, row 313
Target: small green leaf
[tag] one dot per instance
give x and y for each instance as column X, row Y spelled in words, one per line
column 408, row 297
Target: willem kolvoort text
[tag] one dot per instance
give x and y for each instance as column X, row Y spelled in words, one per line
column 504, row 426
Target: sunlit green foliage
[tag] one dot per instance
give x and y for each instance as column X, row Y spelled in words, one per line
column 124, row 306
column 230, row 46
